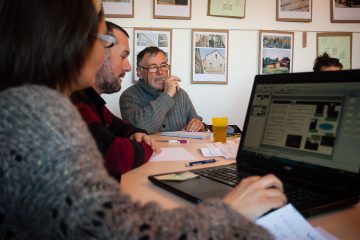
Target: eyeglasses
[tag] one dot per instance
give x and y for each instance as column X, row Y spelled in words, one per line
column 154, row 69
column 107, row 39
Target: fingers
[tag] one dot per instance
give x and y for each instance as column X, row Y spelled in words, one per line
column 171, row 85
column 142, row 137
column 256, row 195
column 195, row 125
column 156, row 149
column 270, row 181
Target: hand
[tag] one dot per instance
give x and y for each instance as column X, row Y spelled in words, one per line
column 142, row 137
column 195, row 125
column 171, row 85
column 256, row 195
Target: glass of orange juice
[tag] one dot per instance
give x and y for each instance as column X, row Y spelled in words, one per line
column 219, row 128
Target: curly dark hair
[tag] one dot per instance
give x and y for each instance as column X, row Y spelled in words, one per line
column 326, row 61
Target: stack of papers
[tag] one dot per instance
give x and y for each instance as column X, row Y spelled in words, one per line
column 288, row 223
column 184, row 134
column 227, row 150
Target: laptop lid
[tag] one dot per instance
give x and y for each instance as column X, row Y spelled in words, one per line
column 306, row 126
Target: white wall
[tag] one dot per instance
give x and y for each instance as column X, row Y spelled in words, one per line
column 231, row 100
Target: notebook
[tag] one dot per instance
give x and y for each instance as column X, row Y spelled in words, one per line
column 302, row 127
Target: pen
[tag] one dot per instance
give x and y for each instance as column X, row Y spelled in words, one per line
column 179, row 141
column 190, row 164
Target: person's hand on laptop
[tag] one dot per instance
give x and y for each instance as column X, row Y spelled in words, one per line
column 256, row 195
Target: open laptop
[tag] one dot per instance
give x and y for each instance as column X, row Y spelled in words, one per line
column 302, row 127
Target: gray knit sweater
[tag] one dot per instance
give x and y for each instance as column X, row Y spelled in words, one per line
column 53, row 184
column 153, row 110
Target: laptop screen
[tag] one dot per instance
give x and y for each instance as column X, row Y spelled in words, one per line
column 315, row 123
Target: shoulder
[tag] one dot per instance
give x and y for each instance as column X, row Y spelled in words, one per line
column 38, row 109
column 35, row 98
column 182, row 94
column 132, row 91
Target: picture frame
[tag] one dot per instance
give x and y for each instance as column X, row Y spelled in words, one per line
column 172, row 9
column 146, row 37
column 337, row 45
column 118, row 8
column 209, row 58
column 276, row 52
column 345, row 11
column 226, row 8
column 294, row 10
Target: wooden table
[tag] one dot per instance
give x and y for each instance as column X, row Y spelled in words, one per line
column 344, row 223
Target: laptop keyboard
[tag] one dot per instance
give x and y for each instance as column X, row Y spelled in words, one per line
column 229, row 175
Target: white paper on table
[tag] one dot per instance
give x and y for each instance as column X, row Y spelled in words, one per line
column 288, row 223
column 172, row 154
column 218, row 149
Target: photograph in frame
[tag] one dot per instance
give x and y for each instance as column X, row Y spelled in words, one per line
column 294, row 10
column 118, row 8
column 276, row 52
column 209, row 61
column 226, row 8
column 345, row 11
column 147, row 37
column 172, row 9
column 336, row 45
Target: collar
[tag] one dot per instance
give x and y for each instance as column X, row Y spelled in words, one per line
column 149, row 89
column 94, row 97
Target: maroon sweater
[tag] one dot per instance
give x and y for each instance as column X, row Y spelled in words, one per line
column 111, row 134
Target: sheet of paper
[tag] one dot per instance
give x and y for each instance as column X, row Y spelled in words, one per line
column 173, row 154
column 288, row 223
column 184, row 134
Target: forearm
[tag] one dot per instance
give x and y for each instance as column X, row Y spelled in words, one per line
column 124, row 155
column 210, row 220
column 149, row 117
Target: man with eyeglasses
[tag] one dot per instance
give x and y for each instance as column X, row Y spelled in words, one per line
column 123, row 146
column 156, row 102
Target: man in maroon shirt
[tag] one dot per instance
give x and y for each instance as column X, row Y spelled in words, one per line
column 123, row 146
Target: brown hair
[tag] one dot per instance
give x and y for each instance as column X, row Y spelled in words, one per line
column 326, row 61
column 45, row 42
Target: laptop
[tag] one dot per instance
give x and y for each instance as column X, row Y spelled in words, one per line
column 302, row 127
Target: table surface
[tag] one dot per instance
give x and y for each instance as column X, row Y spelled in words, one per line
column 344, row 223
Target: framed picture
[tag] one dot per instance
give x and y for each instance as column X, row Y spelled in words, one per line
column 294, row 10
column 147, row 37
column 345, row 11
column 118, row 8
column 175, row 9
column 337, row 45
column 226, row 8
column 276, row 52
column 209, row 63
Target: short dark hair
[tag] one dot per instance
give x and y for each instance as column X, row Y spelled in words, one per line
column 152, row 51
column 326, row 61
column 45, row 42
column 111, row 26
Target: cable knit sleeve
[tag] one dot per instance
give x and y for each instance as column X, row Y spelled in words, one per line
column 54, row 184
